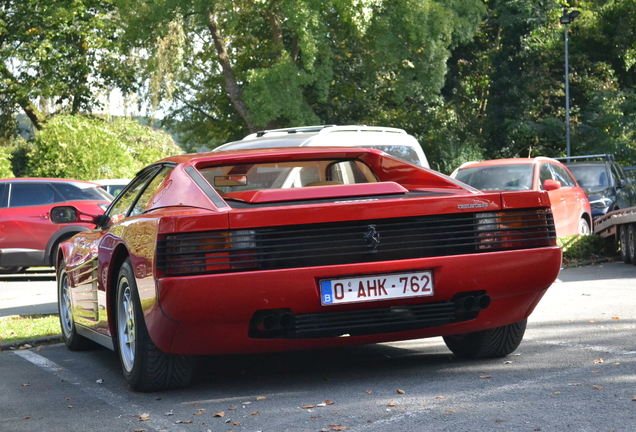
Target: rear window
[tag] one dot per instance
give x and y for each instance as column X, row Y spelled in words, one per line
column 281, row 175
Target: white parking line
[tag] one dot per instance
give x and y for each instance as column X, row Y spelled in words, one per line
column 118, row 402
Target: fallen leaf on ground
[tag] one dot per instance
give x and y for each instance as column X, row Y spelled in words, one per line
column 256, row 413
column 634, row 399
column 328, row 402
column 193, row 404
column 369, row 391
column 598, row 371
column 400, row 391
column 597, row 387
column 556, row 393
column 616, row 318
column 260, row 398
column 26, row 385
column 485, row 376
column 144, row 417
column 309, row 406
column 232, row 408
column 598, row 361
column 441, row 397
column 26, row 418
column 219, row 414
column 451, row 411
column 391, row 404
column 339, row 428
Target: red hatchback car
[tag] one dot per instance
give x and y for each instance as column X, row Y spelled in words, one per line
column 27, row 236
column 570, row 206
column 293, row 248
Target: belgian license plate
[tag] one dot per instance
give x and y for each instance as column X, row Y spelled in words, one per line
column 376, row 287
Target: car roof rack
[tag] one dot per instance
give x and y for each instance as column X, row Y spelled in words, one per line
column 608, row 157
column 325, row 129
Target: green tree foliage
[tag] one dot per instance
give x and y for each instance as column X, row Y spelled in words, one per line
column 508, row 84
column 249, row 65
column 61, row 53
column 89, row 149
column 5, row 163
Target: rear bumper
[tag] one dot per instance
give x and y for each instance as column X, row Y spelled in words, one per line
column 215, row 313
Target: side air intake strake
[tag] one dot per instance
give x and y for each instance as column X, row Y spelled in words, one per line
column 312, row 245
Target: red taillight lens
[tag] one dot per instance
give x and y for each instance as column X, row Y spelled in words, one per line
column 515, row 230
column 209, row 252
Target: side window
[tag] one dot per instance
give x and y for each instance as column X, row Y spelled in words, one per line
column 149, row 192
column 618, row 175
column 544, row 174
column 31, row 194
column 563, row 176
column 121, row 206
column 3, row 194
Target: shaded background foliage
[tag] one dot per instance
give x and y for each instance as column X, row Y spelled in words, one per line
column 470, row 79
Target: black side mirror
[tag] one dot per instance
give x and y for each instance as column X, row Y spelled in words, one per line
column 64, row 214
column 70, row 214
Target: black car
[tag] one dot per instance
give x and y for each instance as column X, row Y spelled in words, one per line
column 604, row 181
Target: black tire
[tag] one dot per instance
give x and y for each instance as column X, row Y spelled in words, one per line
column 12, row 270
column 145, row 367
column 622, row 239
column 631, row 242
column 497, row 342
column 73, row 340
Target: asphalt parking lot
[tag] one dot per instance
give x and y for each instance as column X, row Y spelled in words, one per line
column 574, row 371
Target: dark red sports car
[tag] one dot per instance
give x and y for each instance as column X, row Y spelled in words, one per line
column 294, row 248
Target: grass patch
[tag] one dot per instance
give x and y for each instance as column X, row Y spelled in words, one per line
column 28, row 327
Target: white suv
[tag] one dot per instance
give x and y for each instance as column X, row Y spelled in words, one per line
column 395, row 142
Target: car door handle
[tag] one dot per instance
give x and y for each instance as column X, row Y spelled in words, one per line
column 44, row 216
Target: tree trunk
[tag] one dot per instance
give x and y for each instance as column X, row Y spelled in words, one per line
column 36, row 117
column 231, row 86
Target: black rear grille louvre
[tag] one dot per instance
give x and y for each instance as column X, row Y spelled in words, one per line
column 283, row 324
column 311, row 245
column 373, row 321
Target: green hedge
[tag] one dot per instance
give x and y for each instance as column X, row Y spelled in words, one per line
column 581, row 248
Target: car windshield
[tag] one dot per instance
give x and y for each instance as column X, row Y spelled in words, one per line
column 281, row 175
column 592, row 178
column 497, row 177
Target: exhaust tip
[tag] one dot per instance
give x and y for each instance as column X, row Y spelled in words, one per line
column 269, row 322
column 286, row 320
column 484, row 301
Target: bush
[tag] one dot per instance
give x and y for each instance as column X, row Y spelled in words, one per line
column 5, row 162
column 581, row 248
column 88, row 149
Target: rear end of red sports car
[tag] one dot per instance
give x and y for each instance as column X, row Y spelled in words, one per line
column 255, row 251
